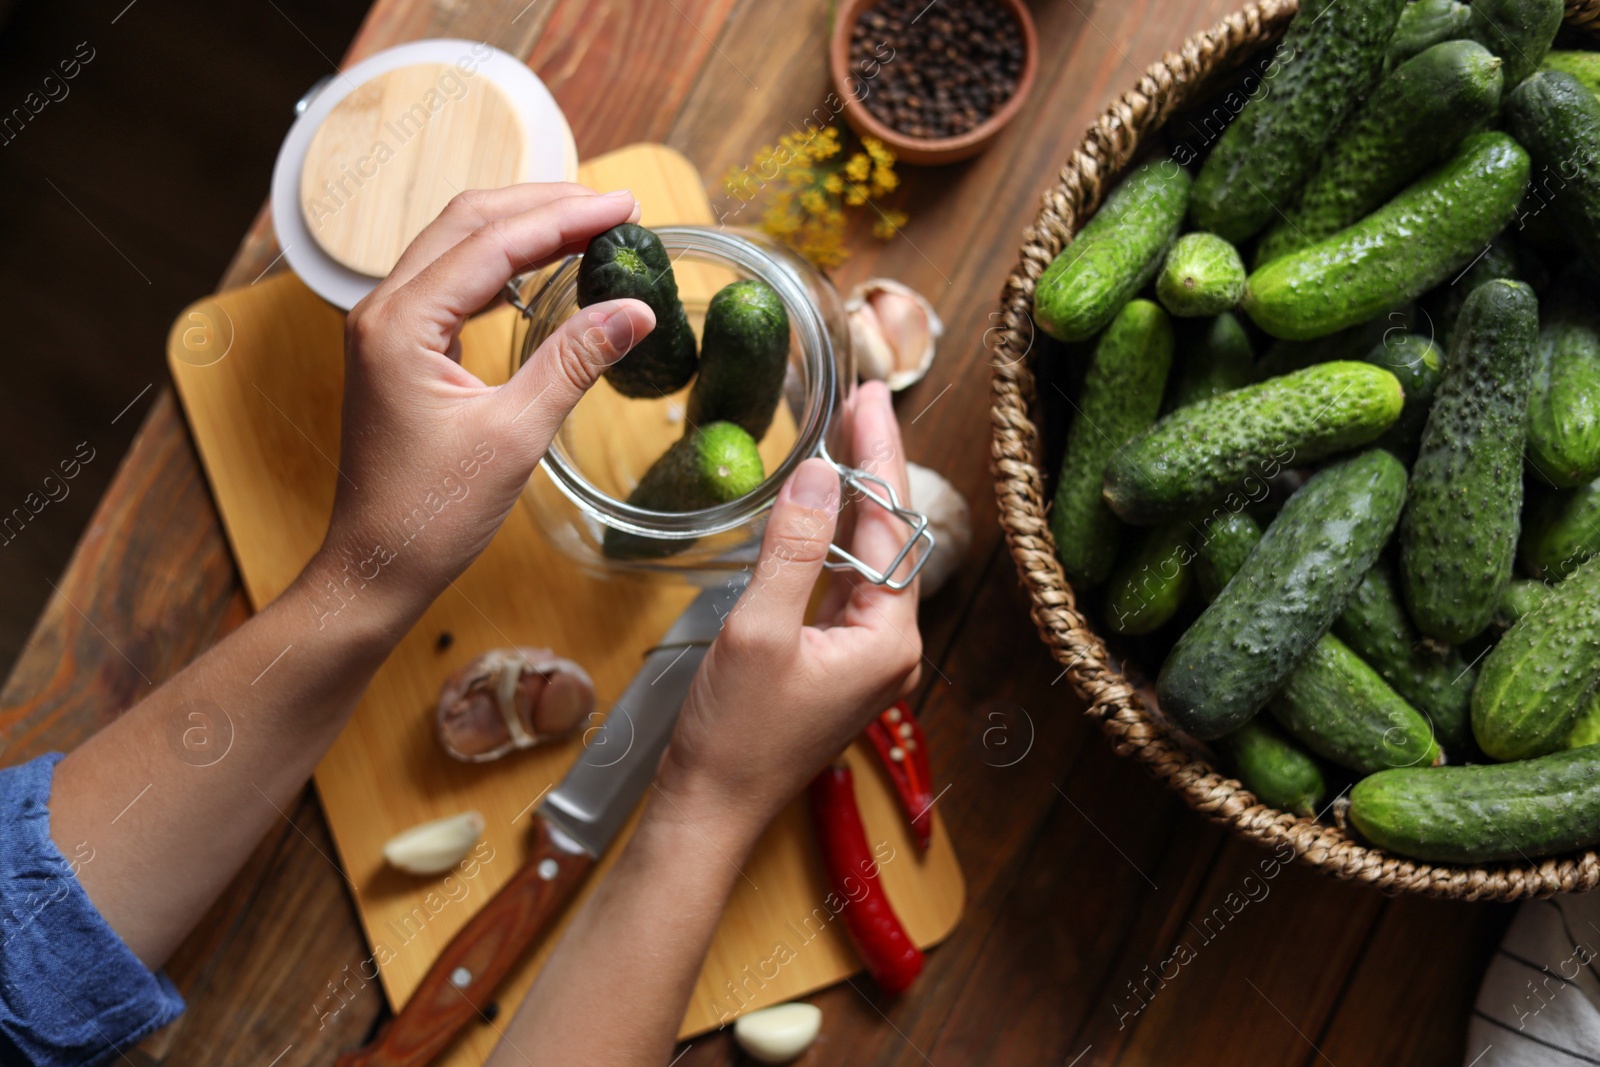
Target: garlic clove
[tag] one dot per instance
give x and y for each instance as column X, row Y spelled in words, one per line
column 778, row 1034
column 508, row 699
column 949, row 519
column 893, row 329
column 434, row 847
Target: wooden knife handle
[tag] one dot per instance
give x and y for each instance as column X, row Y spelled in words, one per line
column 461, row 982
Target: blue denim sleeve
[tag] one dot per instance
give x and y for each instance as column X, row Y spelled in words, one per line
column 71, row 992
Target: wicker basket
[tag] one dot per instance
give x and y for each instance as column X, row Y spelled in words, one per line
column 1168, row 86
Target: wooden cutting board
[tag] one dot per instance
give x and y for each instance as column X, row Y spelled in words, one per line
column 260, row 372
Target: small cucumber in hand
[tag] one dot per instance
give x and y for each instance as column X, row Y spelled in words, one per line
column 1202, row 275
column 629, row 261
column 1118, row 250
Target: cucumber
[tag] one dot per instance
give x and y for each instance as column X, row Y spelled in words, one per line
column 1288, row 593
column 1485, row 812
column 1584, row 66
column 1215, row 357
column 1523, row 596
column 1443, row 305
column 1418, row 365
column 707, row 466
column 1542, row 674
column 1264, row 156
column 1587, row 730
column 629, row 261
column 1201, row 452
column 1459, row 537
column 1561, row 532
column 1202, row 275
column 1118, row 250
column 1437, row 682
column 1559, row 122
column 1423, row 24
column 744, row 355
column 1417, row 114
column 1355, row 342
column 1224, row 546
column 1121, row 395
column 1149, row 586
column 1564, row 404
column 1518, row 31
column 1274, row 768
column 1367, row 268
column 1341, row 709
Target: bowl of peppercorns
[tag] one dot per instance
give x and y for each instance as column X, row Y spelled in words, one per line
column 934, row 81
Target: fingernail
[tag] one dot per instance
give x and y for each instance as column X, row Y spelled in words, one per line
column 814, row 485
column 619, row 192
column 620, row 332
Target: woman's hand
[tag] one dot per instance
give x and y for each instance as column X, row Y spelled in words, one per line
column 431, row 458
column 776, row 699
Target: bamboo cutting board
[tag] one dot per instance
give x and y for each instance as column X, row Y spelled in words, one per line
column 260, row 372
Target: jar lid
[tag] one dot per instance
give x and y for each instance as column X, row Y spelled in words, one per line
column 382, row 147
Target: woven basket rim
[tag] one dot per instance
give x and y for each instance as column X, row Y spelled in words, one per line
column 1110, row 143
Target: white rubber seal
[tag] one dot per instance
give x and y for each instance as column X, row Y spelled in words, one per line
column 545, row 125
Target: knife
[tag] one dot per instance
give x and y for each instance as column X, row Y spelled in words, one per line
column 572, row 827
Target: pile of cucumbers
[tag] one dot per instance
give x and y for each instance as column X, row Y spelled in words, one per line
column 1340, row 376
column 738, row 376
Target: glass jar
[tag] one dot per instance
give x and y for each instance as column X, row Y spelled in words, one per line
column 609, row 440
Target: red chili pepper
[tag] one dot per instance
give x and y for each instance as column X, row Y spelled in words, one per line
column 891, row 956
column 903, row 748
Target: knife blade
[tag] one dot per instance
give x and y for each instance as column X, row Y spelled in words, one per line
column 572, row 828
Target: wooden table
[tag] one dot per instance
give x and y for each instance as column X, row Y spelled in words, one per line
column 1084, row 876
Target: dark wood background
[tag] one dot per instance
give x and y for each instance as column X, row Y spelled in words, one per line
column 1084, row 876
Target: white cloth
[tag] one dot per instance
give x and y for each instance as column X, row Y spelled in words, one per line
column 1539, row 1005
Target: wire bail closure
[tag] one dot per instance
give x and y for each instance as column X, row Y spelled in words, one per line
column 881, row 493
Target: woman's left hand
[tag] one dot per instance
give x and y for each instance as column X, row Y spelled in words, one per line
column 431, row 458
column 775, row 698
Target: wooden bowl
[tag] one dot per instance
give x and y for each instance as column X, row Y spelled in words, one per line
column 1127, row 713
column 924, row 150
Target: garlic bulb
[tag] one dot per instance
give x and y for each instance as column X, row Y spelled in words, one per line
column 434, row 847
column 509, row 699
column 893, row 329
column 950, row 520
column 778, row 1034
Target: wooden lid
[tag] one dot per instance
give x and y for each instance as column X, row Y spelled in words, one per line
column 390, row 156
